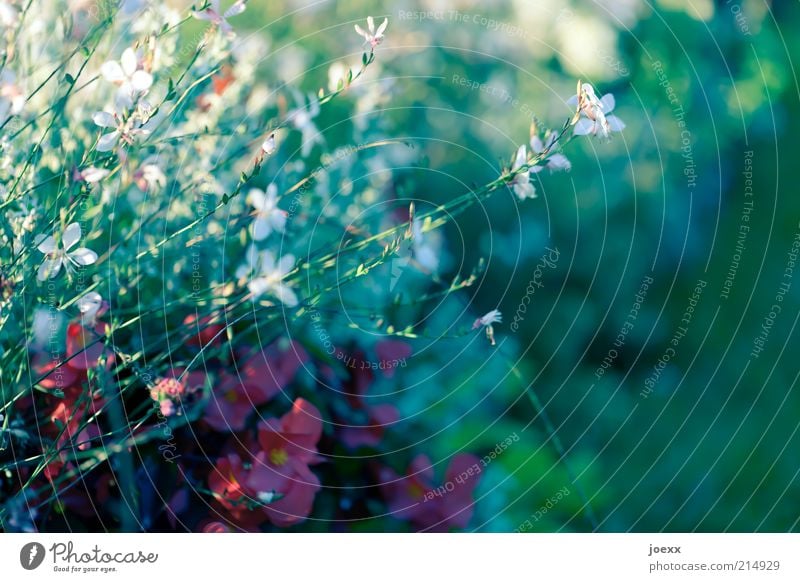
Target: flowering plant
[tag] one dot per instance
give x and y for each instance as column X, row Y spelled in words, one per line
column 175, row 253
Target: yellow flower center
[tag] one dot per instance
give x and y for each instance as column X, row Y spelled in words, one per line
column 278, row 457
column 415, row 491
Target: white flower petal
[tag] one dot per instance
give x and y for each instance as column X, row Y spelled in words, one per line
column 521, row 159
column 286, row 264
column 47, row 245
column 584, row 126
column 83, row 256
column 91, row 300
column 107, row 142
column 615, row 123
column 128, row 62
column 268, row 146
column 257, row 199
column 237, row 8
column 362, row 32
column 204, row 15
column 262, row 227
column 558, row 162
column 72, row 234
column 278, row 219
column 608, row 102
column 286, row 295
column 524, row 190
column 93, row 175
column 49, row 269
column 382, row 27
column 258, row 286
column 141, row 81
column 112, row 71
column 104, row 119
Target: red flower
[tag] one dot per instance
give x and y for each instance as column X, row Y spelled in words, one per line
column 205, row 333
column 177, row 390
column 262, row 376
column 415, row 499
column 85, row 346
column 277, row 485
column 391, row 354
column 367, row 423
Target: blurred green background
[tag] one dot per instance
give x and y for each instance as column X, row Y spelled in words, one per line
column 708, row 441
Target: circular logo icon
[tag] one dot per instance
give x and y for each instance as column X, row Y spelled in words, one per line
column 31, row 555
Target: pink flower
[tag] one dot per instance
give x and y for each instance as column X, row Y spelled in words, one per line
column 177, row 390
column 213, row 13
column 366, row 423
column 415, row 499
column 391, row 353
column 372, row 37
column 594, row 114
column 261, row 377
column 277, row 485
column 371, row 433
column 207, row 333
column 85, row 346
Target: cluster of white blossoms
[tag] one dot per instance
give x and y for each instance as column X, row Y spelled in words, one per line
column 592, row 117
column 143, row 110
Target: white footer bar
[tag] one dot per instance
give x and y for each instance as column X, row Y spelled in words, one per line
column 390, row 557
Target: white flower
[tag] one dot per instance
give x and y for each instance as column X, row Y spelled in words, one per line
column 132, row 80
column 594, row 112
column 12, row 99
column 494, row 316
column 9, row 14
column 89, row 305
column 46, row 323
column 301, row 117
column 268, row 216
column 268, row 147
column 57, row 255
column 521, row 182
column 215, row 16
column 149, row 175
column 426, row 247
column 374, row 37
column 269, row 275
column 125, row 130
column 553, row 161
column 92, row 175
